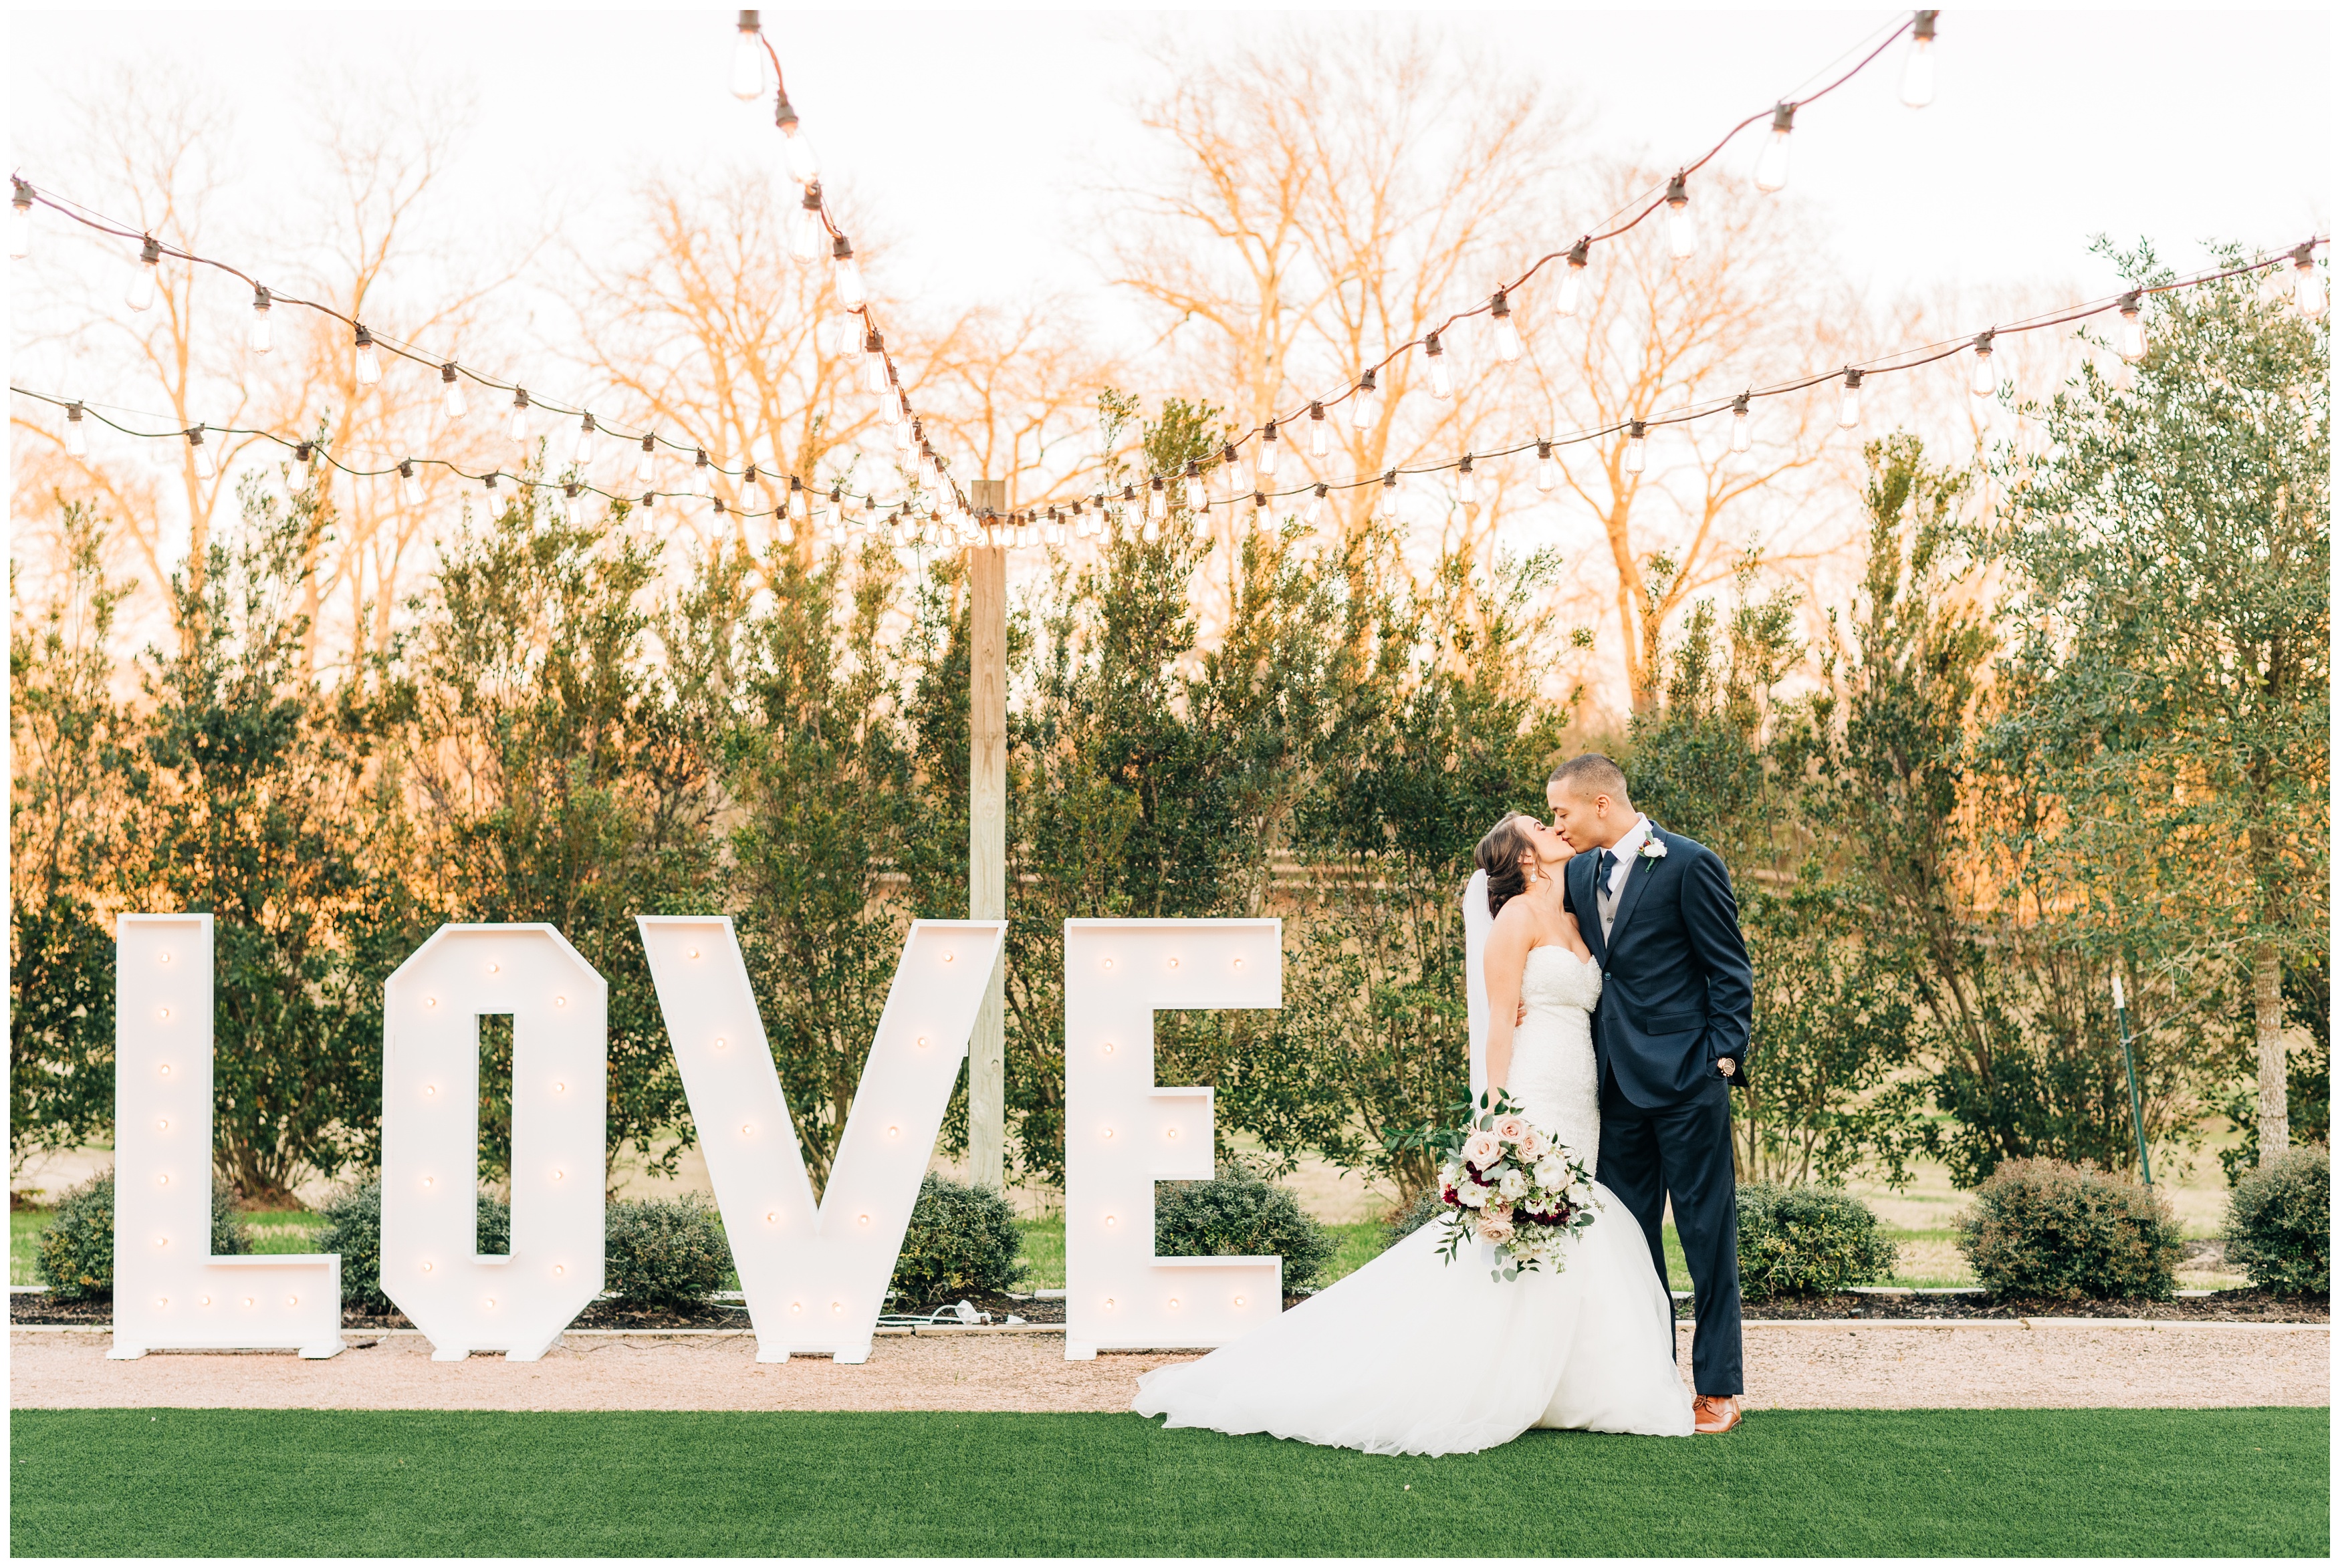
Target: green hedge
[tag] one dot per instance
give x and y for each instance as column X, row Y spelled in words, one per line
column 2279, row 1223
column 2041, row 1229
column 962, row 1241
column 1239, row 1213
column 664, row 1252
column 1808, row 1240
column 77, row 1248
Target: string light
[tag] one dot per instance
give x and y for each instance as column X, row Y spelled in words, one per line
column 1157, row 502
column 76, row 432
column 1441, row 380
column 451, row 402
column 518, row 425
column 1918, row 65
column 1636, row 446
column 1742, row 436
column 2309, row 294
column 2130, row 339
column 1269, row 446
column 1772, row 165
column 1368, row 402
column 1233, row 465
column 366, row 363
column 262, row 337
column 1320, row 441
column 140, row 295
column 1466, row 484
column 1196, row 500
column 1508, row 347
column 646, row 466
column 846, row 274
column 582, row 453
column 1682, row 228
column 1981, row 380
column 20, row 219
column 806, row 229
column 1547, row 471
column 1316, row 504
column 1847, row 407
column 803, row 167
column 410, row 487
column 206, row 468
column 1571, row 287
column 748, row 59
column 569, row 513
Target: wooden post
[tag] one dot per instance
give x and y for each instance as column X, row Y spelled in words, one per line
column 987, row 836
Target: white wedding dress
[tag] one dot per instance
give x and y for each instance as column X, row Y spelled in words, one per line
column 1414, row 1355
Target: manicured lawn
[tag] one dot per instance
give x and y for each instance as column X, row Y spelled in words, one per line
column 2070, row 1483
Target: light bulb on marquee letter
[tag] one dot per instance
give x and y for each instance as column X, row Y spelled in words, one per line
column 1123, row 1133
column 169, row 1292
column 430, row 1264
column 787, row 1247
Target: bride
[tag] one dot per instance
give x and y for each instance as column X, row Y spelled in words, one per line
column 1410, row 1355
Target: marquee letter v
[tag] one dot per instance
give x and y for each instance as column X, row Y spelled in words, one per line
column 815, row 1276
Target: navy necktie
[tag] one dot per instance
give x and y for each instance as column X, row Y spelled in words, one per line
column 1602, row 861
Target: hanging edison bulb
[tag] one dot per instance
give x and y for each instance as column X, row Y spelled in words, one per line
column 1270, row 448
column 646, row 466
column 1918, row 66
column 367, row 363
column 410, row 485
column 1157, row 501
column 1682, row 228
column 304, row 459
column 846, row 273
column 1466, row 483
column 451, row 401
column 873, row 364
column 1636, row 446
column 570, row 510
column 1231, row 462
column 1367, row 402
column 76, row 432
column 1197, row 499
column 1742, row 436
column 1441, row 379
column 1320, row 439
column 1508, row 347
column 1572, row 288
column 2129, row 339
column 1388, row 497
column 747, row 58
column 518, row 427
column 2308, row 292
column 1771, row 166
column 1981, row 380
column 1848, row 405
column 1547, row 472
column 807, row 233
column 262, row 337
column 587, row 441
column 206, row 468
column 798, row 146
column 140, row 295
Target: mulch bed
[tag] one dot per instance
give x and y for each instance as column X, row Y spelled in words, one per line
column 2219, row 1307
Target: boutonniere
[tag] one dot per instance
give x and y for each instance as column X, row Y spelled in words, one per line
column 1654, row 848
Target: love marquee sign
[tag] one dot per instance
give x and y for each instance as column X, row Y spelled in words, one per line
column 814, row 1273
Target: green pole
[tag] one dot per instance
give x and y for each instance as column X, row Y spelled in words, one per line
column 2128, row 1058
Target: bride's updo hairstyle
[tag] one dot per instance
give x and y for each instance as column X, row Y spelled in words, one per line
column 1499, row 855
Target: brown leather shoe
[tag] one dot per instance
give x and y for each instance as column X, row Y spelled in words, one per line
column 1713, row 1413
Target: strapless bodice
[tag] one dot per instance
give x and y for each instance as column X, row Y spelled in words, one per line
column 1555, row 977
column 1554, row 1075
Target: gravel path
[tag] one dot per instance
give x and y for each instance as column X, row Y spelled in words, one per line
column 1788, row 1367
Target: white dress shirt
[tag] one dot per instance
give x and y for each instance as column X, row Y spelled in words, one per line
column 1625, row 852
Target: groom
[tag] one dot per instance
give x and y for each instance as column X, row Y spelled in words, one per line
column 1677, row 1003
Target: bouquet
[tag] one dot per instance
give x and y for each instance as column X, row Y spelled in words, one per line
column 1510, row 1184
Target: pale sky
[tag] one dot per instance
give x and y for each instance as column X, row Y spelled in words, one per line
column 978, row 135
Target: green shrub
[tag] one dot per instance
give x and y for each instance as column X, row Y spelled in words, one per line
column 962, row 1241
column 1808, row 1240
column 2279, row 1223
column 1404, row 1221
column 2041, row 1229
column 77, row 1248
column 353, row 1228
column 665, row 1252
column 1239, row 1213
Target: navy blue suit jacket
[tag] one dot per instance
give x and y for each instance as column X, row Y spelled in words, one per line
column 1677, row 991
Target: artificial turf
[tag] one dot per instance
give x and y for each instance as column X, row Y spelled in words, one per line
column 2061, row 1483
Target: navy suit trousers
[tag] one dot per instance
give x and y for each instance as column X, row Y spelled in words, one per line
column 1684, row 1151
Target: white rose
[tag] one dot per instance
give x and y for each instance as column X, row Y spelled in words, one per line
column 1551, row 1171
column 1471, row 1195
column 1513, row 1185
